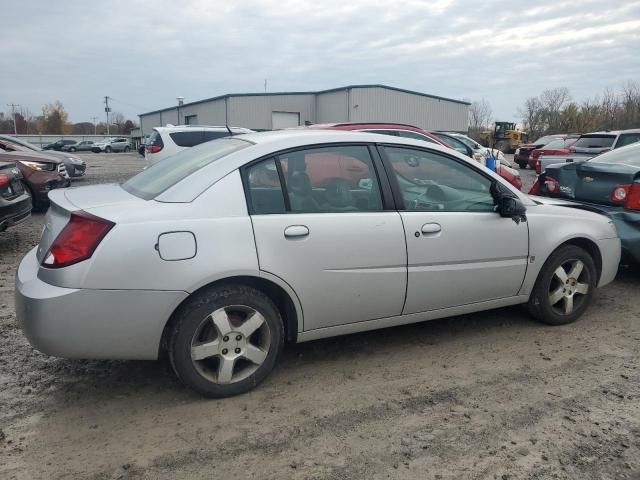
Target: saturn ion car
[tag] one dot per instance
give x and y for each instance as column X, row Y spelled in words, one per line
column 222, row 253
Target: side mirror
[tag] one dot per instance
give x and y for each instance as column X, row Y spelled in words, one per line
column 510, row 207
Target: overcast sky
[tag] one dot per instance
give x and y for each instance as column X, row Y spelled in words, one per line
column 146, row 53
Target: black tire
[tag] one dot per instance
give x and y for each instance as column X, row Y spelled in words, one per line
column 522, row 165
column 190, row 320
column 126, row 149
column 503, row 146
column 540, row 303
column 72, row 149
column 107, row 149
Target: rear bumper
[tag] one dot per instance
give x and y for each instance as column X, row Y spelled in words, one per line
column 14, row 211
column 83, row 323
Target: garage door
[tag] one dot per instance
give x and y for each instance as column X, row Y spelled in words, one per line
column 281, row 120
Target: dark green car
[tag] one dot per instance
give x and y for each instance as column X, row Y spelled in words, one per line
column 608, row 183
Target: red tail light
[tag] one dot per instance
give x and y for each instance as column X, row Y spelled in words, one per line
column 77, row 241
column 633, row 197
column 153, row 148
column 535, row 189
column 620, row 193
column 4, row 180
column 538, row 167
column 552, row 185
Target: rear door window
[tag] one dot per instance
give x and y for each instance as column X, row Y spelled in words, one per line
column 627, row 139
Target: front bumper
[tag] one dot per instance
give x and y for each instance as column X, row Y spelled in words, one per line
column 86, row 323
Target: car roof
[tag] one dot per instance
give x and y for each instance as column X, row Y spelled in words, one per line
column 357, row 125
column 613, row 132
column 186, row 128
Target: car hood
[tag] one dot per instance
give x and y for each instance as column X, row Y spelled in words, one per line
column 92, row 196
column 64, row 156
column 29, row 157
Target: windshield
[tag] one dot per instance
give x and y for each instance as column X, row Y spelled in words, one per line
column 467, row 141
column 629, row 155
column 595, row 141
column 156, row 179
column 544, row 140
column 555, row 144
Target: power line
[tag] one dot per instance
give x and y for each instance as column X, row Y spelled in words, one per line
column 13, row 115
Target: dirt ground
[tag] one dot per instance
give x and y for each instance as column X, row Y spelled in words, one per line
column 489, row 395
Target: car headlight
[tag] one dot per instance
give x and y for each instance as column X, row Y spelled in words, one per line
column 49, row 167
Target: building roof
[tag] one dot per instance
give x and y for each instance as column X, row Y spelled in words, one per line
column 318, row 92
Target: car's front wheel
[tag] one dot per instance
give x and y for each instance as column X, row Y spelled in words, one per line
column 564, row 287
column 225, row 340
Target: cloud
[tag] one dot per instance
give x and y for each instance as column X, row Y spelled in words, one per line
column 145, row 53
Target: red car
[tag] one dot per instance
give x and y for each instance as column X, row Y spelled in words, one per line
column 410, row 131
column 556, row 147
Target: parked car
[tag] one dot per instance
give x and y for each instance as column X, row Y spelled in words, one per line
column 410, row 131
column 74, row 166
column 560, row 146
column 223, row 267
column 522, row 155
column 481, row 151
column 57, row 145
column 15, row 202
column 112, row 144
column 591, row 145
column 40, row 174
column 165, row 141
column 609, row 183
column 83, row 146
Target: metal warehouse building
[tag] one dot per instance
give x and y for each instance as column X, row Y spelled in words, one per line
column 355, row 103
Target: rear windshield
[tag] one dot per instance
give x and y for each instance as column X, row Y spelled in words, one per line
column 195, row 137
column 629, row 155
column 544, row 140
column 156, row 179
column 595, row 141
column 555, row 144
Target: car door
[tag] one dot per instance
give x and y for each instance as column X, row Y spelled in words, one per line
column 333, row 242
column 459, row 250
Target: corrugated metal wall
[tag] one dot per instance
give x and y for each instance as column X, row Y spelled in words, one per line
column 331, row 107
column 255, row 111
column 361, row 104
column 383, row 105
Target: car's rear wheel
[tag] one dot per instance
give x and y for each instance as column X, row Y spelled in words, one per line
column 126, row 149
column 564, row 287
column 226, row 340
column 107, row 149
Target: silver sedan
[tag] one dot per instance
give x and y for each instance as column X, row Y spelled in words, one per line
column 223, row 253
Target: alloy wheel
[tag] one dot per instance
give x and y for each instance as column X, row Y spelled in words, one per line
column 230, row 344
column 569, row 286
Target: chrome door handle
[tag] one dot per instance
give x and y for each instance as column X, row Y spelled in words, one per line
column 294, row 231
column 431, row 228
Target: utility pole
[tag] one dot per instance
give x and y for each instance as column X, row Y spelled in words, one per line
column 107, row 110
column 95, row 125
column 13, row 115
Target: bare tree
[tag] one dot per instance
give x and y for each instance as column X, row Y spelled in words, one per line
column 480, row 115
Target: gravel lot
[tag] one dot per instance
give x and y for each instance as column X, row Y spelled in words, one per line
column 489, row 395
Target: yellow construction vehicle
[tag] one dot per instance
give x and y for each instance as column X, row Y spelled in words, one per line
column 505, row 136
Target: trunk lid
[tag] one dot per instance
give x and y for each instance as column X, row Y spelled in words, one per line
column 591, row 181
column 64, row 202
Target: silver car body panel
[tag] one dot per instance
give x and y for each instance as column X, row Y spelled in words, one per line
column 349, row 274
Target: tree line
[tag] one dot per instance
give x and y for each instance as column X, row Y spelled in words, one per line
column 54, row 120
column 555, row 111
